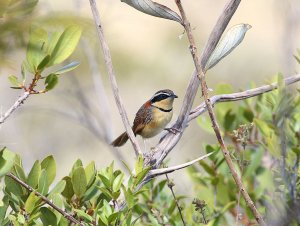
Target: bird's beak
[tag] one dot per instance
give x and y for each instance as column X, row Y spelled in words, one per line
column 175, row 96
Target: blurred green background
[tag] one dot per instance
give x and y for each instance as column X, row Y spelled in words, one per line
column 79, row 118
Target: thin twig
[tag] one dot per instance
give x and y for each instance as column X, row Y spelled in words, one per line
column 111, row 73
column 158, row 172
column 29, row 188
column 215, row 125
column 241, row 95
column 166, row 145
column 17, row 104
column 171, row 185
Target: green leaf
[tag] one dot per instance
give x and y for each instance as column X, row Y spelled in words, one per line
column 117, row 182
column 30, row 203
column 14, row 81
column 43, row 185
column 127, row 167
column 19, row 172
column 43, row 63
column 68, row 192
column 139, row 165
column 105, row 180
column 13, row 187
column 50, row 166
column 77, row 164
column 48, row 217
column 141, row 175
column 65, row 45
column 69, row 67
column 85, row 216
column 207, row 168
column 90, row 172
column 34, row 174
column 129, row 197
column 229, row 120
column 35, row 53
column 113, row 217
column 58, row 189
column 7, row 159
column 79, row 181
column 248, row 114
column 263, row 127
column 51, row 81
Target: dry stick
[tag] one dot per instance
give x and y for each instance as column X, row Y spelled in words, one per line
column 170, row 140
column 65, row 214
column 17, row 104
column 112, row 77
column 170, row 185
column 241, row 95
column 201, row 75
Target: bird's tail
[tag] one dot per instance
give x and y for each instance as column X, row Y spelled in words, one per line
column 121, row 140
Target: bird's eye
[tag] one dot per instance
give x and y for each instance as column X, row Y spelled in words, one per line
column 159, row 97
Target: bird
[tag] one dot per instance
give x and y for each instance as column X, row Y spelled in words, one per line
column 152, row 117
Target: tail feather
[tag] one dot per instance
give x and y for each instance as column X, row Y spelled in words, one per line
column 121, row 140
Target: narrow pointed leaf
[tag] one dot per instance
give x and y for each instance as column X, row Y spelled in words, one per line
column 67, row 68
column 65, row 45
column 233, row 37
column 154, row 9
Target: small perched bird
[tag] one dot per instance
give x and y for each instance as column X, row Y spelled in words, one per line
column 152, row 117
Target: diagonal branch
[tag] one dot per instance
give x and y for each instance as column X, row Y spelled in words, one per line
column 17, row 104
column 112, row 77
column 157, row 172
column 241, row 95
column 44, row 198
column 215, row 125
column 160, row 152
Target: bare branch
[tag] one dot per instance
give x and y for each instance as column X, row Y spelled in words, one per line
column 44, row 198
column 170, row 140
column 158, row 172
column 215, row 125
column 111, row 73
column 17, row 104
column 241, row 95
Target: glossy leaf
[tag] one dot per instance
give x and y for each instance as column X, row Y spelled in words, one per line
column 79, row 181
column 51, row 81
column 58, row 189
column 50, row 166
column 43, row 185
column 43, row 63
column 154, row 9
column 48, row 217
column 233, row 37
column 65, row 45
column 31, row 202
column 7, row 159
column 117, row 182
column 68, row 192
column 34, row 174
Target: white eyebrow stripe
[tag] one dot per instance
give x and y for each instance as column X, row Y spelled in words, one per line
column 168, row 94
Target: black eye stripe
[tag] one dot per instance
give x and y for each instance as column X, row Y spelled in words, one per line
column 159, row 97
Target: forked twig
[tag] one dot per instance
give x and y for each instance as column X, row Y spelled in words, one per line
column 46, row 200
column 215, row 125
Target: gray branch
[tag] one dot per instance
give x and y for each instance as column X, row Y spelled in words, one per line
column 17, row 104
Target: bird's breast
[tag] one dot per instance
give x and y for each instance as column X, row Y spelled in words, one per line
column 159, row 121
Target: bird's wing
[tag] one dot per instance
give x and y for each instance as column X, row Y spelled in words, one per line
column 142, row 118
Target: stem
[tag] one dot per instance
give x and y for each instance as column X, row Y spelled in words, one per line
column 170, row 185
column 112, row 77
column 44, row 198
column 201, row 76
